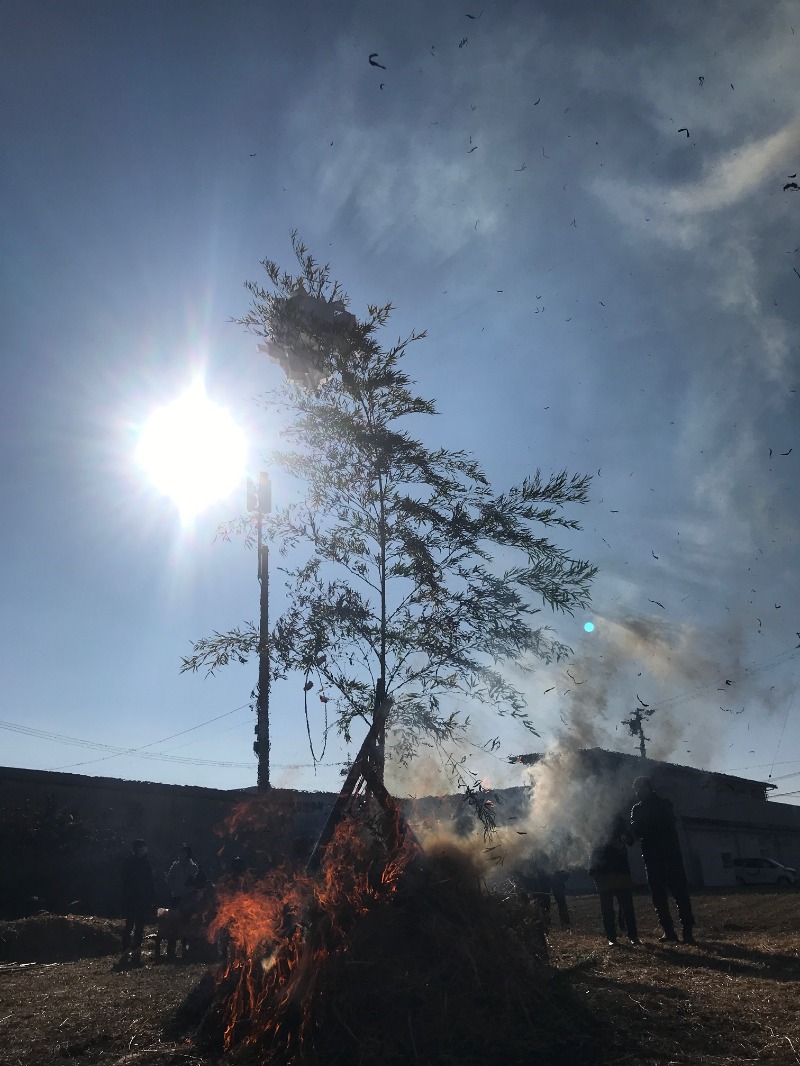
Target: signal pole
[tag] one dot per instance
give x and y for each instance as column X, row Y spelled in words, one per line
column 261, row 502
column 635, row 724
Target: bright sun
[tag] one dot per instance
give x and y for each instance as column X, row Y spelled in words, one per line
column 192, row 451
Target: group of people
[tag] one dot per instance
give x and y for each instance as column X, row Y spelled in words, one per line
column 185, row 883
column 652, row 823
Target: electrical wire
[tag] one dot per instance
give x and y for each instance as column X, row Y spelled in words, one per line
column 779, row 660
column 759, row 766
column 59, row 738
column 784, row 777
column 116, row 754
column 116, row 751
column 785, row 720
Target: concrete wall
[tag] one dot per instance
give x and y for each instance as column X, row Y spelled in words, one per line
column 718, row 817
column 84, row 875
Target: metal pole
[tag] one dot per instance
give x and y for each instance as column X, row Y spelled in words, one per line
column 636, row 725
column 262, row 745
column 638, row 718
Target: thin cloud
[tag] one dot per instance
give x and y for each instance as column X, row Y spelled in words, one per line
column 681, row 214
column 737, row 174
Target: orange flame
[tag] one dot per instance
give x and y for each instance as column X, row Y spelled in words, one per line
column 281, row 927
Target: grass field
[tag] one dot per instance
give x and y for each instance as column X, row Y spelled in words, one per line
column 732, row 998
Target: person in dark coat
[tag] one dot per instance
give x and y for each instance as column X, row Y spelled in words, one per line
column 538, row 880
column 181, row 876
column 138, row 897
column 612, row 875
column 181, row 881
column 653, row 824
column 558, row 886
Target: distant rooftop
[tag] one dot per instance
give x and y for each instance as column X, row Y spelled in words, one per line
column 599, row 759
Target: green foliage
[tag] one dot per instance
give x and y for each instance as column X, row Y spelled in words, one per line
column 413, row 571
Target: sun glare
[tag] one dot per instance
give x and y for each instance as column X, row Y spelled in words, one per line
column 192, row 451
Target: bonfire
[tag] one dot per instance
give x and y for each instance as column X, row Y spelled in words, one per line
column 380, row 951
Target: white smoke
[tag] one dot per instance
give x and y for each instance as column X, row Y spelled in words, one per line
column 636, row 661
column 567, row 800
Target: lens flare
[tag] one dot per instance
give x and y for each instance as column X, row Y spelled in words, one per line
column 588, row 626
column 192, row 451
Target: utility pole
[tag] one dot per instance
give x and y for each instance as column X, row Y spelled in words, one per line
column 301, row 359
column 636, row 725
column 260, row 501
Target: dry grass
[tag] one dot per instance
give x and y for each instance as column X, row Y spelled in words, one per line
column 437, row 973
column 733, row 998
column 84, row 1012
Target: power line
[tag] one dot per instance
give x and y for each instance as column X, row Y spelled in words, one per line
column 758, row 766
column 116, row 754
column 785, row 720
column 216, row 733
column 58, row 738
column 116, row 751
column 779, row 660
column 784, row 777
column 305, row 765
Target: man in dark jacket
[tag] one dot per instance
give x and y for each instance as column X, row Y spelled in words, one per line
column 653, row 824
column 538, row 879
column 612, row 875
column 183, row 893
column 138, row 897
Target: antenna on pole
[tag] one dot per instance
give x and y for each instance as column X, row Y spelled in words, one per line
column 259, row 500
column 635, row 723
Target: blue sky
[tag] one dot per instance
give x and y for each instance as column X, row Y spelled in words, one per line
column 602, row 292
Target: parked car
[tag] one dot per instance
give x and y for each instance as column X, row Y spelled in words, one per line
column 763, row 872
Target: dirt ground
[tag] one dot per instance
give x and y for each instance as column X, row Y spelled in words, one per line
column 733, row 998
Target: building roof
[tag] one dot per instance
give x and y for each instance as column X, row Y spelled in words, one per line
column 601, row 758
column 57, row 778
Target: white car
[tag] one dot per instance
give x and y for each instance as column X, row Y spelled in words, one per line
column 763, row 872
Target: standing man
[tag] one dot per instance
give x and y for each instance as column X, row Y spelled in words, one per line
column 538, row 880
column 181, row 882
column 653, row 824
column 558, row 886
column 180, row 876
column 138, row 898
column 612, row 875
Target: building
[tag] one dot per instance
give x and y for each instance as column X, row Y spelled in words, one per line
column 719, row 817
column 64, row 835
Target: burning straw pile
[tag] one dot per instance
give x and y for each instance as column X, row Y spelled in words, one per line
column 388, row 955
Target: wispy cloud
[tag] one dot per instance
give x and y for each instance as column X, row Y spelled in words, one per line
column 680, row 212
column 734, row 175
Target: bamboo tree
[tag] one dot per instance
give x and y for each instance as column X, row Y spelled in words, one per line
column 408, row 579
